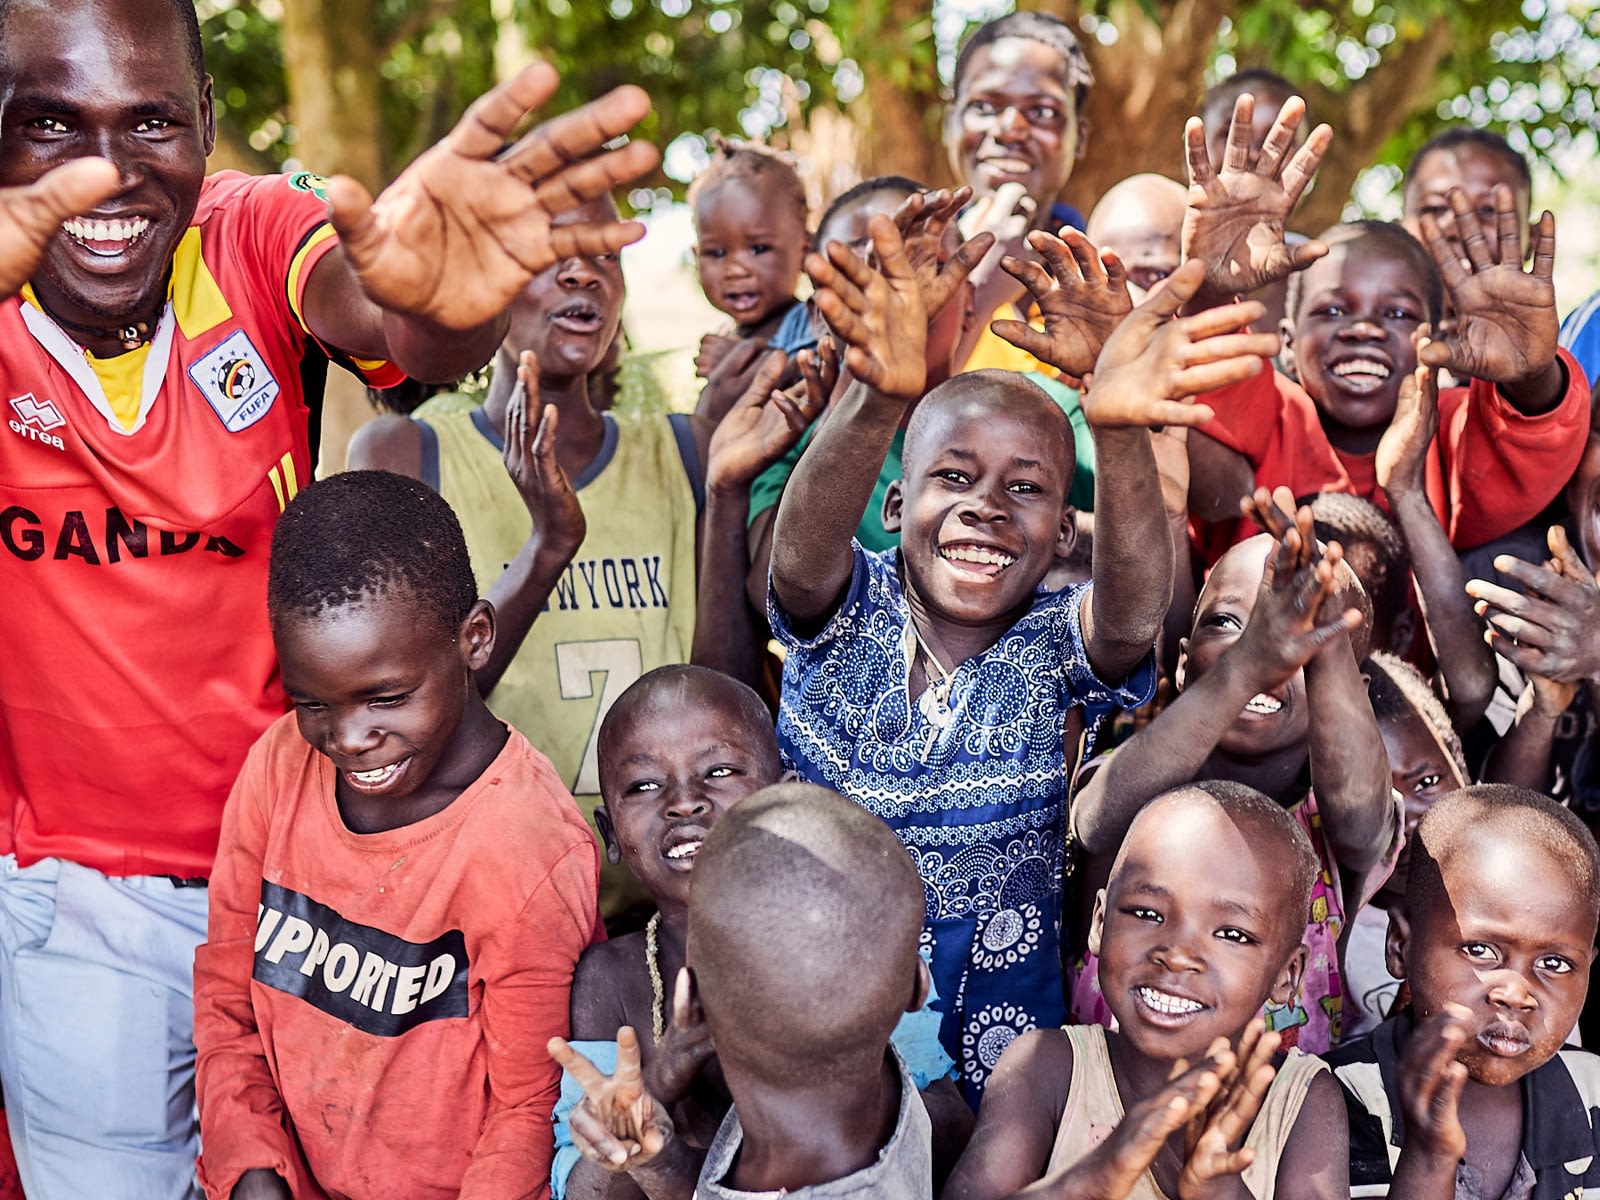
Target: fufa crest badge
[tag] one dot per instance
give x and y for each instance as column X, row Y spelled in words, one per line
column 235, row 381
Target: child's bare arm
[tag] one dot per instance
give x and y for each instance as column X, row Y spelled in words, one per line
column 760, row 429
column 879, row 316
column 1504, row 328
column 1287, row 628
column 1551, row 632
column 519, row 594
column 1315, row 1164
column 1236, row 216
column 1466, row 664
column 1430, row 1089
column 1146, row 374
column 1349, row 767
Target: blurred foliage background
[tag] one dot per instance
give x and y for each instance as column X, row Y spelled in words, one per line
column 856, row 86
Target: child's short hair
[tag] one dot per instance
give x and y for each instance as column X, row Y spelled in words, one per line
column 1396, row 240
column 358, row 535
column 1032, row 27
column 761, row 167
column 1466, row 137
column 987, row 380
column 704, row 682
column 1371, row 542
column 899, row 185
column 1396, row 689
column 804, row 921
column 1511, row 813
column 1257, row 81
column 1241, row 800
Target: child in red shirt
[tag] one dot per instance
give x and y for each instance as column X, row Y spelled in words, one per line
column 402, row 890
column 1506, row 442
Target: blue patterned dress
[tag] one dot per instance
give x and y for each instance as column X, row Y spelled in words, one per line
column 978, row 799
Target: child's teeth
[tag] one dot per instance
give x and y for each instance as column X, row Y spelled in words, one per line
column 376, row 775
column 973, row 555
column 1362, row 368
column 1263, row 703
column 1172, row 1006
column 684, row 850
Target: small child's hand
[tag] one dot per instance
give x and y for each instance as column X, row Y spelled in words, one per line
column 1215, row 1139
column 1551, row 630
column 762, row 427
column 1288, row 628
column 1114, row 1168
column 1504, row 328
column 730, row 378
column 618, row 1123
column 1402, row 455
column 1082, row 297
column 1430, row 1085
column 1155, row 362
column 530, row 458
column 922, row 220
column 685, row 1047
column 713, row 348
column 877, row 311
column 1235, row 221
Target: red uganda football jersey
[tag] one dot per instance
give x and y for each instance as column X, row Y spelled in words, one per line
column 138, row 665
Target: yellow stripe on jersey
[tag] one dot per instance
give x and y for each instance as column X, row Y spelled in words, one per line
column 285, row 483
column 122, row 377
column 197, row 301
column 319, row 235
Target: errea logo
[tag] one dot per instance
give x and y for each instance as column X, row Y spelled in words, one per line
column 35, row 419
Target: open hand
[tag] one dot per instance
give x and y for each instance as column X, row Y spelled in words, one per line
column 31, row 215
column 764, row 425
column 1402, row 457
column 466, row 225
column 876, row 311
column 1504, row 325
column 1550, row 631
column 1215, row 1138
column 1082, row 297
column 1155, row 363
column 1430, row 1084
column 530, row 458
column 1236, row 217
column 617, row 1124
column 923, row 219
column 1288, row 627
column 1114, row 1168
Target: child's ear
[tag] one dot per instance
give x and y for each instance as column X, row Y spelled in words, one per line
column 923, row 988
column 1285, row 359
column 893, row 505
column 1394, row 943
column 476, row 638
column 1097, row 923
column 1084, row 128
column 1182, row 668
column 1287, row 985
column 1067, row 536
column 608, row 834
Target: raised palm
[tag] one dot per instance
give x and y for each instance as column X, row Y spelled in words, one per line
column 1504, row 326
column 1236, row 218
column 465, row 226
column 1082, row 297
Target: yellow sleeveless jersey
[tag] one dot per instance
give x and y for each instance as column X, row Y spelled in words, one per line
column 624, row 606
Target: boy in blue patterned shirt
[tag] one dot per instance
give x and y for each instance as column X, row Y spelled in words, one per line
column 938, row 685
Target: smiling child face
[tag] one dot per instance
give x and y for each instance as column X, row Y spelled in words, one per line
column 1192, row 931
column 1351, row 337
column 982, row 506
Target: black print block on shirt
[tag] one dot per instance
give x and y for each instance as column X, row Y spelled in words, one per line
column 379, row 983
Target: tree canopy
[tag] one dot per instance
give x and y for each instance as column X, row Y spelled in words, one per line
column 855, row 85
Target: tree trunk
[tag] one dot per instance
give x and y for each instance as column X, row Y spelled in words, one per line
column 901, row 106
column 332, row 58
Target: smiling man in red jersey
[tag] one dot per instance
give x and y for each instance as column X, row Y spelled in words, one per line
column 164, row 337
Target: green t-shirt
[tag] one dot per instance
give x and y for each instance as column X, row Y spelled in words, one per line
column 768, row 487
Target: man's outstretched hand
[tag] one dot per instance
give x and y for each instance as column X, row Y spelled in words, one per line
column 465, row 226
column 31, row 215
